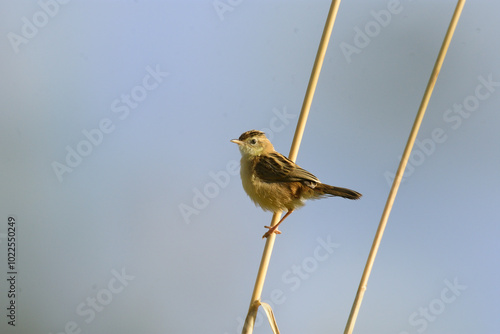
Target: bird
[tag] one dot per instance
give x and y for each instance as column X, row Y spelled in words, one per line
column 276, row 183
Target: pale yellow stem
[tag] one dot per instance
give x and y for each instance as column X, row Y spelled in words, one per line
column 402, row 166
column 294, row 150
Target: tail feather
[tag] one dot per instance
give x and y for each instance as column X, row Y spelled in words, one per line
column 325, row 189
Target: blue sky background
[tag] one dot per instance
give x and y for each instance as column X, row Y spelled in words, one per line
column 119, row 239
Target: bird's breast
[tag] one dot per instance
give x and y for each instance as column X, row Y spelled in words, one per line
column 248, row 177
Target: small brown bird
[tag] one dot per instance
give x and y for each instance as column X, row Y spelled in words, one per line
column 276, row 183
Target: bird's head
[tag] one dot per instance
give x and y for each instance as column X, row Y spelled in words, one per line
column 253, row 143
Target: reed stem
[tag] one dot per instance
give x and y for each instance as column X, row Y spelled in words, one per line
column 294, row 150
column 402, row 166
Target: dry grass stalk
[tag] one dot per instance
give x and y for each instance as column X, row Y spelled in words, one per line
column 299, row 131
column 402, row 166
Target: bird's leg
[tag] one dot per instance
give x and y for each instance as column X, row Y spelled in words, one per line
column 274, row 229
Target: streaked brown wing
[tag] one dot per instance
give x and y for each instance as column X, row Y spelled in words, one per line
column 275, row 167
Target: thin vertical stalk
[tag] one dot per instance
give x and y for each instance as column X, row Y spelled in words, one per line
column 402, row 166
column 313, row 81
column 299, row 131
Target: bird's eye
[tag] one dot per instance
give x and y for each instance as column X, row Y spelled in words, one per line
column 253, row 141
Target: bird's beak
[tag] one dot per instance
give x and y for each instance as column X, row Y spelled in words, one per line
column 236, row 141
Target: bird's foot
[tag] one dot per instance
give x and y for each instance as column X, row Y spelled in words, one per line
column 272, row 229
